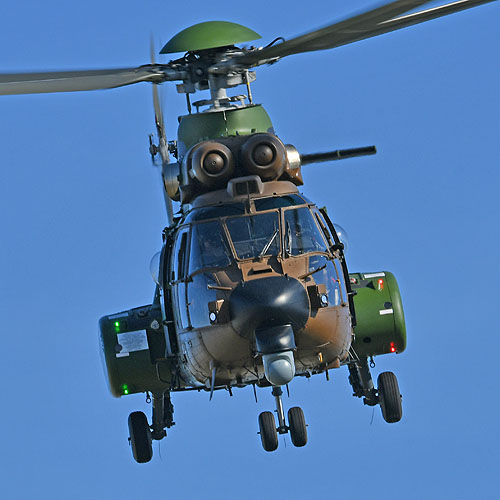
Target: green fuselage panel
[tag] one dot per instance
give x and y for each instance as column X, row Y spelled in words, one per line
column 213, row 125
column 132, row 352
column 380, row 323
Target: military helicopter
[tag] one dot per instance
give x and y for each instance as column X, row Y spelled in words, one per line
column 252, row 287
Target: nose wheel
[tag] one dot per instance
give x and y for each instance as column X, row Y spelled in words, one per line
column 268, row 432
column 296, row 424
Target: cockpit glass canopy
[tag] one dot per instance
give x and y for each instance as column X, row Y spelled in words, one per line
column 269, row 203
column 302, row 234
column 240, row 208
column 213, row 212
column 208, row 246
column 255, row 235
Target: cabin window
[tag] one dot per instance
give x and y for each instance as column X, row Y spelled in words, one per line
column 256, row 235
column 302, row 234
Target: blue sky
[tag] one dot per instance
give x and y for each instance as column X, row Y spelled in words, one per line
column 81, row 216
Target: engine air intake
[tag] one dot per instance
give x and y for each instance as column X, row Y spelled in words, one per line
column 264, row 155
column 211, row 163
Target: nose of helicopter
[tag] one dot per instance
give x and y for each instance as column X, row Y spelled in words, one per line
column 272, row 309
column 268, row 302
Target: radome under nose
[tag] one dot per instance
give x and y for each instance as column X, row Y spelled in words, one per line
column 266, row 302
column 271, row 309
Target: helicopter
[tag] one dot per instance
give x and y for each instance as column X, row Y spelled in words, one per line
column 160, row 350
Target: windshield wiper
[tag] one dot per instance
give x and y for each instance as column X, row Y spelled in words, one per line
column 288, row 245
column 268, row 244
column 320, row 268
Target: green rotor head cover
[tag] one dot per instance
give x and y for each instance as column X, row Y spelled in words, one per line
column 209, row 35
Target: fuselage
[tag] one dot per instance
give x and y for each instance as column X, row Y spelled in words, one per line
column 247, row 264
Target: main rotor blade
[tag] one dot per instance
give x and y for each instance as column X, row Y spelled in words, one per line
column 372, row 23
column 71, row 81
column 421, row 17
column 162, row 137
column 156, row 98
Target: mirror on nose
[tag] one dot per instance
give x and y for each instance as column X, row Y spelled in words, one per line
column 154, row 267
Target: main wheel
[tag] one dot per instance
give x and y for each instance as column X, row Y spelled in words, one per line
column 268, row 434
column 389, row 397
column 140, row 437
column 297, row 425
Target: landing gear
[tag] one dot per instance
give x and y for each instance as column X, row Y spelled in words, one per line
column 387, row 394
column 361, row 381
column 297, row 426
column 389, row 397
column 267, row 424
column 140, row 437
column 141, row 433
column 268, row 433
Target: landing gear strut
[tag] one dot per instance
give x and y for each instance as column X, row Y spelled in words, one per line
column 141, row 433
column 267, row 424
column 387, row 394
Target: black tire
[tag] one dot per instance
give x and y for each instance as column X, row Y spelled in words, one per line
column 268, row 433
column 297, row 426
column 140, row 437
column 389, row 397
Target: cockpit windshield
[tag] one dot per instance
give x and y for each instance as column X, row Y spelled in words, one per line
column 208, row 246
column 302, row 234
column 255, row 235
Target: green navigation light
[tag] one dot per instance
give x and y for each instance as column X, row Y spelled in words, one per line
column 125, row 389
column 117, row 326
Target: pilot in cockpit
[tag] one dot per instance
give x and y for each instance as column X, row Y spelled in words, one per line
column 305, row 238
column 214, row 250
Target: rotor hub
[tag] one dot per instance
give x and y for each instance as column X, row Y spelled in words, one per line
column 209, row 35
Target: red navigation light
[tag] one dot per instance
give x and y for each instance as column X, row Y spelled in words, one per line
column 393, row 347
column 380, row 284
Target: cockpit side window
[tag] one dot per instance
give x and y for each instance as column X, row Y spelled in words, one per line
column 179, row 255
column 208, row 246
column 324, row 227
column 302, row 234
